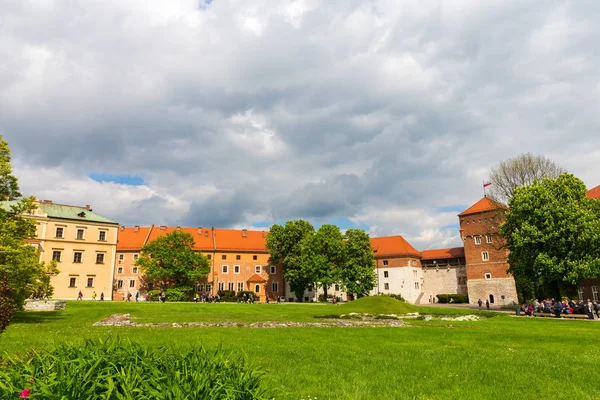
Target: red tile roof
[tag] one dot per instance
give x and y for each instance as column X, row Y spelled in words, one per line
column 485, row 204
column 437, row 254
column 203, row 237
column 256, row 278
column 132, row 239
column 393, row 246
column 594, row 193
column 241, row 240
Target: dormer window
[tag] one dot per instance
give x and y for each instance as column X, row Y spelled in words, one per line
column 81, row 214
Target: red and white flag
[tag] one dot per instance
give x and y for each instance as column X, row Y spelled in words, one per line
column 486, row 184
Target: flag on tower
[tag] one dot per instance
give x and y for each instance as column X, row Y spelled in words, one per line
column 486, row 184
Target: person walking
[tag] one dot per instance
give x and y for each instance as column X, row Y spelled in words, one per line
column 80, row 296
column 163, row 297
column 94, row 295
column 137, row 296
column 102, row 296
column 597, row 308
column 480, row 303
column 590, row 309
column 128, row 297
column 487, row 304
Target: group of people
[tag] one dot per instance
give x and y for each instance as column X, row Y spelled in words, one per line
column 80, row 296
column 137, row 296
column 567, row 306
column 206, row 298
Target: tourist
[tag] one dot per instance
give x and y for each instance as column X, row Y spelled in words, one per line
column 597, row 308
column 102, row 296
column 137, row 296
column 480, row 303
column 590, row 309
column 487, row 304
column 80, row 296
column 94, row 295
column 128, row 297
column 163, row 296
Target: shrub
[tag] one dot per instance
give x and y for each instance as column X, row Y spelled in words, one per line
column 115, row 369
column 227, row 296
column 154, row 295
column 456, row 298
column 7, row 305
column 183, row 293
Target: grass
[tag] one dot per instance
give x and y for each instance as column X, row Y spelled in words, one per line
column 499, row 357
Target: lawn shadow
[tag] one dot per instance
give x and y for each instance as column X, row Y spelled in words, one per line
column 37, row 317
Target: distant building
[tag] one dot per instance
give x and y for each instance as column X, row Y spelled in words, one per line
column 444, row 272
column 83, row 243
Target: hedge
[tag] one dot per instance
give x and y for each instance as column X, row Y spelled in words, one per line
column 456, row 298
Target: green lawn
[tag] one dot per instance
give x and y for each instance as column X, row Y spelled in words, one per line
column 499, row 358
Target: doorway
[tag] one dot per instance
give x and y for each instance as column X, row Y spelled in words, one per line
column 492, row 298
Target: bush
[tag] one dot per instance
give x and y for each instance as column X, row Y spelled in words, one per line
column 227, row 296
column 115, row 369
column 7, row 305
column 456, row 298
column 154, row 295
column 183, row 293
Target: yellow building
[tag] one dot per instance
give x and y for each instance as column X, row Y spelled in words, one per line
column 84, row 244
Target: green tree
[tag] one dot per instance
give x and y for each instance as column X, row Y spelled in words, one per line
column 323, row 256
column 553, row 233
column 9, row 187
column 172, row 262
column 283, row 243
column 42, row 289
column 357, row 273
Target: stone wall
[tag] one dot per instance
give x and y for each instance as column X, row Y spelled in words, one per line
column 443, row 280
column 497, row 287
column 41, row 305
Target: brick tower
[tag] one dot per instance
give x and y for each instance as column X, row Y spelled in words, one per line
column 485, row 255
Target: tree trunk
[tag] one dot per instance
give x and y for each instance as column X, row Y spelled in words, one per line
column 325, row 292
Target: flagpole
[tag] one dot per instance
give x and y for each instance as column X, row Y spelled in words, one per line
column 483, row 183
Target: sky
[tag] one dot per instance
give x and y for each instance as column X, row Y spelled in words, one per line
column 381, row 115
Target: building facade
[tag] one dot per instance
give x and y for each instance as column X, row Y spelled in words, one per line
column 444, row 272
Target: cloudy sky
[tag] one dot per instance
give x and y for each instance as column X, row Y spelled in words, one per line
column 384, row 115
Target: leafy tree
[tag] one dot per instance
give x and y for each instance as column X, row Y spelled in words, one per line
column 7, row 304
column 522, row 170
column 9, row 187
column 283, row 243
column 553, row 233
column 357, row 273
column 323, row 256
column 171, row 260
column 42, row 289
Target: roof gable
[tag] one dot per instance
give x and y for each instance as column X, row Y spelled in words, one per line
column 393, row 246
column 594, row 193
column 483, row 205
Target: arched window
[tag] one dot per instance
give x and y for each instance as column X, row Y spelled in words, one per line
column 256, row 288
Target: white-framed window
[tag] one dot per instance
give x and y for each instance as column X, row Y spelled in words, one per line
column 337, row 288
column 231, row 286
column 416, row 285
column 414, row 263
column 257, row 269
column 135, row 257
column 77, row 257
column 90, row 282
column 236, row 269
column 580, row 292
column 240, row 286
column 273, row 269
column 80, row 234
column 275, row 287
column 477, row 240
column 257, row 288
column 120, row 270
column 200, row 288
column 414, row 273
column 225, row 270
column 485, row 256
column 386, row 274
column 595, row 293
column 60, row 232
column 385, row 263
column 120, row 284
column 56, row 255
column 488, row 238
column 132, row 283
column 488, row 276
column 386, row 286
column 100, row 258
column 208, row 288
column 221, row 285
column 135, row 270
column 102, row 236
column 121, row 257
column 72, row 281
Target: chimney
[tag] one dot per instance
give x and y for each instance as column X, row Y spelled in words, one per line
column 200, row 231
column 47, row 202
column 163, row 228
column 177, row 228
column 122, row 228
column 206, row 233
column 136, row 228
column 244, row 232
column 87, row 207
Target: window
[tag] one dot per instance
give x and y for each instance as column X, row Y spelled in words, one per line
column 225, row 270
column 132, row 283
column 255, row 257
column 72, row 281
column 488, row 276
column 595, row 293
column 236, row 269
column 102, row 236
column 274, row 287
column 488, row 238
column 386, row 286
column 200, row 288
column 240, row 286
column 230, row 286
column 337, row 288
column 485, row 256
column 221, row 285
column 416, row 285
column 120, row 270
column 257, row 288
column 415, row 273
column 414, row 262
column 257, row 269
column 56, row 255
column 273, row 269
column 100, row 258
column 224, row 257
column 77, row 257
column 386, row 274
column 59, row 232
column 90, row 282
column 238, row 257
column 385, row 262
column 80, row 234
column 120, row 284
column 209, row 256
column 477, row 240
column 580, row 292
column 135, row 257
column 135, row 270
column 208, row 288
column 121, row 256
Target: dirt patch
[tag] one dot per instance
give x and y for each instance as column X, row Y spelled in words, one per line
column 125, row 320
